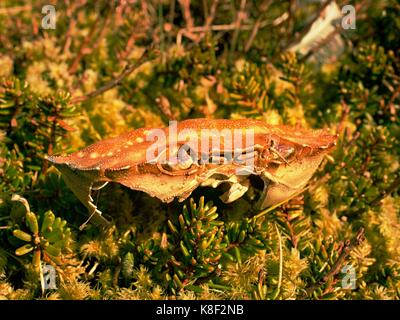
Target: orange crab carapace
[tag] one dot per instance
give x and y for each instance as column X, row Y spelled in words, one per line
column 171, row 162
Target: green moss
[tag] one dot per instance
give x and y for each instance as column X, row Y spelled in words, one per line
column 198, row 249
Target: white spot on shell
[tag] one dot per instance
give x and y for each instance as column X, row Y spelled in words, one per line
column 93, row 155
column 110, row 154
column 139, row 139
column 80, row 154
column 129, row 143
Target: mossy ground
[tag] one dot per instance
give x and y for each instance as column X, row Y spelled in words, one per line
column 238, row 66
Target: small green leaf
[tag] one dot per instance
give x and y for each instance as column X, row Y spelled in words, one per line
column 22, row 235
column 24, row 249
column 32, row 222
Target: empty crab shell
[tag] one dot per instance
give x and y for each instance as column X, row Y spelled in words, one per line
column 173, row 161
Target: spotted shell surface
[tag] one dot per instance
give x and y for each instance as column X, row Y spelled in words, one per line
column 284, row 157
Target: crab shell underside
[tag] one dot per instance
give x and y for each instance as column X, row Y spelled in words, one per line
column 284, row 157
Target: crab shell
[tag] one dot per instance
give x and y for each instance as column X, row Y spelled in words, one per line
column 284, row 157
